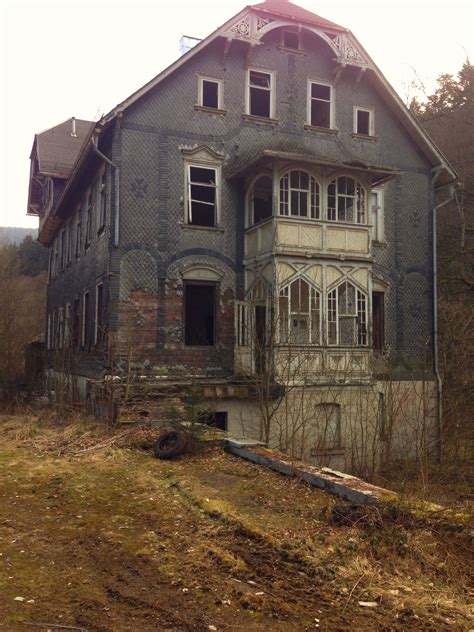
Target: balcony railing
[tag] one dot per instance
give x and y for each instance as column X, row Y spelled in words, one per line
column 283, row 235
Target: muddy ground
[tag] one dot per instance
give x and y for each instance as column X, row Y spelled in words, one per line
column 112, row 539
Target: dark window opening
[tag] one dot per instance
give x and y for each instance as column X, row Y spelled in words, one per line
column 199, row 301
column 216, row 420
column 210, row 94
column 102, row 201
column 363, row 122
column 262, row 199
column 100, row 315
column 260, row 94
column 378, row 325
column 76, row 324
column 89, row 220
column 85, row 320
column 320, row 105
column 291, row 40
column 202, row 196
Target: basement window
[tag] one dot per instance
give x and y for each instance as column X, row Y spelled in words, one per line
column 199, row 315
column 260, row 93
column 214, row 419
column 364, row 121
column 210, row 93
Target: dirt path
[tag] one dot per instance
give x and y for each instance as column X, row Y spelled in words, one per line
column 120, row 541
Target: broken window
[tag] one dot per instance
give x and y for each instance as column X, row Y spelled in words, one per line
column 202, row 195
column 378, row 321
column 200, row 314
column 346, row 201
column 364, row 121
column 262, row 199
column 300, row 313
column 299, row 195
column 260, row 93
column 347, row 316
column 210, row 93
column 320, row 105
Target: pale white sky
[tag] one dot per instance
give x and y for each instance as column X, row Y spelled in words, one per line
column 67, row 58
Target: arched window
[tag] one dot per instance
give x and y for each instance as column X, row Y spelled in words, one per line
column 346, row 201
column 261, row 200
column 300, row 313
column 299, row 195
column 347, row 316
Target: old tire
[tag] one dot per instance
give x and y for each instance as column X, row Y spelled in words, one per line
column 169, row 445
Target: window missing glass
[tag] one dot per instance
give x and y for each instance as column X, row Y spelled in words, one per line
column 260, row 93
column 320, row 105
column 378, row 321
column 199, row 317
column 300, row 313
column 210, row 97
column 262, row 200
column 363, row 121
column 347, row 316
column 346, row 201
column 202, row 195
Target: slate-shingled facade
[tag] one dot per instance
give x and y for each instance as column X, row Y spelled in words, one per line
column 268, row 184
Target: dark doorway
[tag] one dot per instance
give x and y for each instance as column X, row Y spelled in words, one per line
column 260, row 337
column 378, row 321
column 216, row 420
column 199, row 302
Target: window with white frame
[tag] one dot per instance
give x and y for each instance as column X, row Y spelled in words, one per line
column 203, row 195
column 364, row 121
column 260, row 97
column 346, row 201
column 320, row 105
column 377, row 214
column 347, row 316
column 299, row 195
column 300, row 313
column 242, row 324
column 261, row 200
column 210, row 93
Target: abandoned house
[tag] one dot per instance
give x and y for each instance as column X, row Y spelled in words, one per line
column 260, row 218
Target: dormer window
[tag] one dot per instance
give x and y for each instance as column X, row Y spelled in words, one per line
column 210, row 93
column 260, row 97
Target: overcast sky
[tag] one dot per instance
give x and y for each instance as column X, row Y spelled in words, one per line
column 65, row 59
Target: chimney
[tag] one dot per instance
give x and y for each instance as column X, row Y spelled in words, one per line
column 186, row 43
column 73, row 129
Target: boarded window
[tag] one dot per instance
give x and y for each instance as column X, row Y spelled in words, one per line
column 260, row 93
column 328, row 435
column 199, row 305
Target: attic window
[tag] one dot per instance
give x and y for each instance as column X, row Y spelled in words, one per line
column 210, row 93
column 364, row 121
column 291, row 40
column 259, row 93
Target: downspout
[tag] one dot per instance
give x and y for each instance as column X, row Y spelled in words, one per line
column 435, row 175
column 117, row 189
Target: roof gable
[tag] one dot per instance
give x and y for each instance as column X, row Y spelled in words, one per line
column 58, row 147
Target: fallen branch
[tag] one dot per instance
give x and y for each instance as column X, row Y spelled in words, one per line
column 53, row 625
